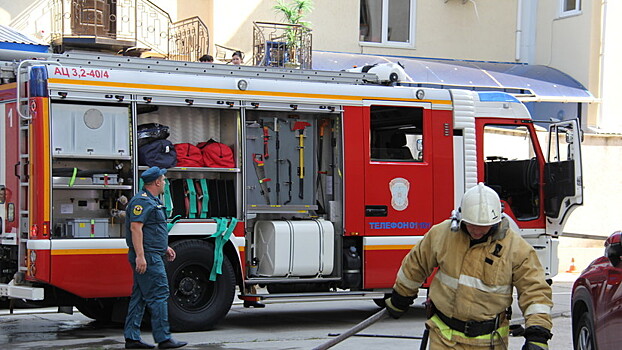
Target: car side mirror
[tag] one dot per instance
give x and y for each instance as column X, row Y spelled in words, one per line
column 613, row 248
column 614, row 253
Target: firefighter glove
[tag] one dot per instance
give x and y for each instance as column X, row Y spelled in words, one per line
column 536, row 338
column 397, row 305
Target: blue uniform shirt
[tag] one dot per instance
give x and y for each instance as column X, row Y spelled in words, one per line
column 149, row 210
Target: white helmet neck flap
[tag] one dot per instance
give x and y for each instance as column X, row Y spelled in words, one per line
column 481, row 206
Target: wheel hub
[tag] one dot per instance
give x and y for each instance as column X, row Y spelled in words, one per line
column 187, row 285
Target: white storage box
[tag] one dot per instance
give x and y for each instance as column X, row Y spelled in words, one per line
column 82, row 228
column 294, row 248
column 83, row 130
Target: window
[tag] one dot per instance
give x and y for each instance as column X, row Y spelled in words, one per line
column 386, row 21
column 512, row 170
column 396, row 134
column 569, row 7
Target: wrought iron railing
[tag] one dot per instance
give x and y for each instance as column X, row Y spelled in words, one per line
column 281, row 45
column 114, row 24
column 189, row 40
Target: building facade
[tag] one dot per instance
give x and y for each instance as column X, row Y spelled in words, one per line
column 576, row 37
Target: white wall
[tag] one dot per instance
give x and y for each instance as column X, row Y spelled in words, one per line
column 610, row 117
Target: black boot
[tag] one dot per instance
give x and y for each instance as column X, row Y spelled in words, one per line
column 137, row 344
column 252, row 303
column 171, row 344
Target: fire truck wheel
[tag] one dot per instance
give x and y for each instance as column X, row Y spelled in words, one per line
column 196, row 303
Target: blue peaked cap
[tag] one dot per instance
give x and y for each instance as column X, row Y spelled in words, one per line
column 152, row 174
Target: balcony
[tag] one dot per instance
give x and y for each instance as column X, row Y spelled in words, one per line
column 281, row 45
column 114, row 25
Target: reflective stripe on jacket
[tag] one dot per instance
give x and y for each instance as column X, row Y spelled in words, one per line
column 475, row 283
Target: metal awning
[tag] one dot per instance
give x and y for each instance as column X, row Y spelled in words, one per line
column 529, row 83
column 15, row 45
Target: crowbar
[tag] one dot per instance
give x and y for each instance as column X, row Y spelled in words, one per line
column 350, row 332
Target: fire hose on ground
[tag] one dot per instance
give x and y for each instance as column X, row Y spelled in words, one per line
column 366, row 323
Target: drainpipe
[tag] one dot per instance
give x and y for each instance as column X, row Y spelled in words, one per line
column 601, row 121
column 519, row 29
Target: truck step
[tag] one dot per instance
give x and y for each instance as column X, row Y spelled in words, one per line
column 322, row 295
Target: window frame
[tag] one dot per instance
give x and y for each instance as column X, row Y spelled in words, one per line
column 569, row 13
column 417, row 122
column 384, row 41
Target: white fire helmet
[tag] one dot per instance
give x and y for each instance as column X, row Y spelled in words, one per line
column 480, row 206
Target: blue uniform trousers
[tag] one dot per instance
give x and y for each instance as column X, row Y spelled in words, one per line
column 150, row 289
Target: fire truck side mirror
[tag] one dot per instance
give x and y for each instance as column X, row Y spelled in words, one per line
column 2, row 194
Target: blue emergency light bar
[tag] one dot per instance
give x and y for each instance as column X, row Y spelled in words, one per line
column 496, row 96
column 38, row 82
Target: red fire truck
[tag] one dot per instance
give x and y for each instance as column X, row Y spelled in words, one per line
column 334, row 178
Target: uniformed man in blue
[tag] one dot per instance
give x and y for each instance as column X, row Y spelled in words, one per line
column 147, row 239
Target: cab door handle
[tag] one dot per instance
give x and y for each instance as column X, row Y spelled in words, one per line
column 376, row 210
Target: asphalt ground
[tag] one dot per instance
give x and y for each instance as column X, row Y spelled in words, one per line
column 281, row 325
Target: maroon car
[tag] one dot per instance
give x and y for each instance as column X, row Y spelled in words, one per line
column 597, row 301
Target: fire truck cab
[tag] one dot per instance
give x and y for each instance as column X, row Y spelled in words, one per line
column 333, row 179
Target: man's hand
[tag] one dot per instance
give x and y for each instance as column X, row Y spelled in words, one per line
column 397, row 305
column 536, row 338
column 170, row 254
column 141, row 264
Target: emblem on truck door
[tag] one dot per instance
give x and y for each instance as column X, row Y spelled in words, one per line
column 399, row 193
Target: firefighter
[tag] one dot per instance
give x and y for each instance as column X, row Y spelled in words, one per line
column 479, row 259
column 147, row 239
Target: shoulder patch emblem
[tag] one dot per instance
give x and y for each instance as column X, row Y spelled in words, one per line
column 138, row 209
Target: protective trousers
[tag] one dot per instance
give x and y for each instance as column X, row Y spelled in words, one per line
column 150, row 289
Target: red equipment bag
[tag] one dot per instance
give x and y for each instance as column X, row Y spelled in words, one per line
column 216, row 154
column 188, row 155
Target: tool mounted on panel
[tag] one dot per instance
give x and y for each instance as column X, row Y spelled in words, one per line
column 260, row 170
column 300, row 126
column 278, row 159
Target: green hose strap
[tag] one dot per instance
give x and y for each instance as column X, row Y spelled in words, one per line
column 141, row 183
column 205, row 199
column 73, row 177
column 168, row 200
column 223, row 232
column 192, row 198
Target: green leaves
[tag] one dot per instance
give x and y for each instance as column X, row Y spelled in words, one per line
column 294, row 11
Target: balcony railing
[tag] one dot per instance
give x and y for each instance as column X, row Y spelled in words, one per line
column 189, row 40
column 113, row 25
column 281, row 45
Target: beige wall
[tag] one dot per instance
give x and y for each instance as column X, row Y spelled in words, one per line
column 442, row 29
column 572, row 45
column 611, row 112
column 600, row 214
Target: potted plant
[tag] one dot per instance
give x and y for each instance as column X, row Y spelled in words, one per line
column 293, row 14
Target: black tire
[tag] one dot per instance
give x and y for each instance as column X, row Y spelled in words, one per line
column 584, row 333
column 97, row 309
column 196, row 303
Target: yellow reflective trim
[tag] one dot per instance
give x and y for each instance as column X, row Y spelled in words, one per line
column 88, row 251
column 410, row 284
column 389, row 247
column 449, row 332
column 538, row 309
column 235, row 92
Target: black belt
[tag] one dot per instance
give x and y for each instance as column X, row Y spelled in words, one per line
column 470, row 328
